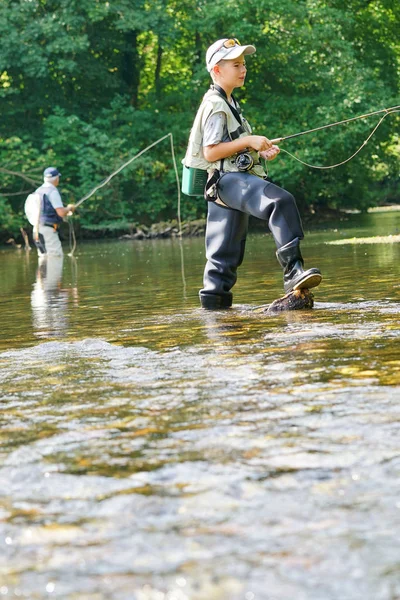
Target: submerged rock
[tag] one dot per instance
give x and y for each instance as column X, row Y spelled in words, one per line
column 296, row 300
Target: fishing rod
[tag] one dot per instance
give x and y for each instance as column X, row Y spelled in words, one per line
column 387, row 111
column 376, row 112
column 128, row 162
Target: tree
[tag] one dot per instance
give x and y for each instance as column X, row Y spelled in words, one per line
column 86, row 85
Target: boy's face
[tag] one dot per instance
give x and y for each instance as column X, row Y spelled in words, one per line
column 232, row 73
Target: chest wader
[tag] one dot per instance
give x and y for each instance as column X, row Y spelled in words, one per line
column 245, row 194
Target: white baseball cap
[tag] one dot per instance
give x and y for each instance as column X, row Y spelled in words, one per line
column 226, row 49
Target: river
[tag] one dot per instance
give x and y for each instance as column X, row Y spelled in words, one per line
column 151, row 450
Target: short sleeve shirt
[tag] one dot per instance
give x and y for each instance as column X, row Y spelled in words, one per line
column 215, row 130
column 53, row 194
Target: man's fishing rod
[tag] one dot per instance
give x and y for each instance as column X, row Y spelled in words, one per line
column 128, row 162
column 376, row 112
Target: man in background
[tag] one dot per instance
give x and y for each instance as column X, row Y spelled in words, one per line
column 46, row 237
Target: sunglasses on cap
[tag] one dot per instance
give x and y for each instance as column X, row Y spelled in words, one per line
column 227, row 44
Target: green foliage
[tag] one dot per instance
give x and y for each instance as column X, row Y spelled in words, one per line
column 87, row 85
column 8, row 219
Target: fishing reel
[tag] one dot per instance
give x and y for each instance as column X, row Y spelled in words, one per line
column 244, row 161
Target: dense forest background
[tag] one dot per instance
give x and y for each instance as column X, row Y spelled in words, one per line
column 87, row 84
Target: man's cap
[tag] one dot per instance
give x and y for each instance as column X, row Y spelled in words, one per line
column 51, row 172
column 226, row 49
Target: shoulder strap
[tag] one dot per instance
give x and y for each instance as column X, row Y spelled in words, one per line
column 42, row 193
column 233, row 110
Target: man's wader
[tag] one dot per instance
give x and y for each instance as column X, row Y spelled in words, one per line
column 48, row 241
column 242, row 194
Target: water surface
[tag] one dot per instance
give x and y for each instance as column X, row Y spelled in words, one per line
column 154, row 451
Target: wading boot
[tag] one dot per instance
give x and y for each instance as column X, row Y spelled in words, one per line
column 294, row 275
column 215, row 301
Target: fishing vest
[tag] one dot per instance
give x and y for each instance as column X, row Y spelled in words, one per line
column 212, row 103
column 48, row 214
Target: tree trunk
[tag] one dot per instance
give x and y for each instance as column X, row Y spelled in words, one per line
column 130, row 67
column 157, row 73
column 198, row 49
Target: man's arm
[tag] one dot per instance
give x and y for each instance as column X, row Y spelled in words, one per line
column 65, row 210
column 55, row 200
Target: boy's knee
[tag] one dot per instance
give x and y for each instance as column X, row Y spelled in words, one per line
column 286, row 200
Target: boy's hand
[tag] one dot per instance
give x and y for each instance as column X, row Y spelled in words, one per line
column 259, row 143
column 271, row 153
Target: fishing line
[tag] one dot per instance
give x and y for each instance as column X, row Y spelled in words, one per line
column 128, row 162
column 72, row 238
column 388, row 111
column 375, row 112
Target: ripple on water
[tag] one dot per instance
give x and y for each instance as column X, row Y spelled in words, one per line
column 268, row 467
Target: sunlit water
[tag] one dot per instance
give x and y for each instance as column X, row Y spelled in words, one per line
column 154, row 451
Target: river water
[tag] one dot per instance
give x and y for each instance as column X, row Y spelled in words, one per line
column 154, row 451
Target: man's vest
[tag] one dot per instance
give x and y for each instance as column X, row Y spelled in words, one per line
column 48, row 214
column 212, row 103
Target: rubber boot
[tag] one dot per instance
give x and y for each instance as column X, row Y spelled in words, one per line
column 294, row 275
column 225, row 244
column 215, row 301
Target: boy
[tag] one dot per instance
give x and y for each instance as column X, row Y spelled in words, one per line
column 221, row 142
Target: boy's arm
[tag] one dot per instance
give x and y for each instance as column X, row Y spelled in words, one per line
column 271, row 153
column 225, row 149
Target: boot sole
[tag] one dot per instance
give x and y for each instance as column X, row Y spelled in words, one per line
column 308, row 282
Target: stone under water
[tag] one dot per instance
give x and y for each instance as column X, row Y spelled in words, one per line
column 296, row 300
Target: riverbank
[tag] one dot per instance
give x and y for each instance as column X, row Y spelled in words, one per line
column 197, row 227
column 166, row 229
column 194, row 228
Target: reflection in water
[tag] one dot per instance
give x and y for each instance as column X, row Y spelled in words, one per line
column 155, row 451
column 182, row 257
column 48, row 300
column 255, row 471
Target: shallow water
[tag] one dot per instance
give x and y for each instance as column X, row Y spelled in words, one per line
column 154, row 451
